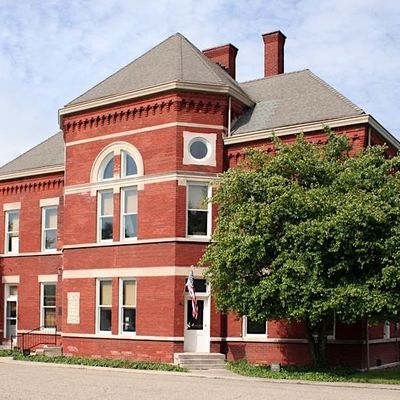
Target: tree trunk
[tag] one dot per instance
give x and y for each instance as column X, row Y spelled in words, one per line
column 317, row 337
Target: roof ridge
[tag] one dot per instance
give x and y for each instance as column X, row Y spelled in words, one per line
column 274, row 76
column 177, row 34
column 27, row 151
column 334, row 91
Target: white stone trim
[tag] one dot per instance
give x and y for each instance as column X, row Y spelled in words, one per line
column 313, row 126
column 143, row 130
column 12, row 206
column 138, row 181
column 13, row 279
column 168, row 86
column 32, row 172
column 30, row 254
column 210, row 140
column 52, row 201
column 123, row 337
column 255, row 339
column 52, row 278
column 196, row 239
column 133, row 272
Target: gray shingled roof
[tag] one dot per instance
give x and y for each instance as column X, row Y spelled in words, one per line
column 49, row 153
column 174, row 59
column 291, row 99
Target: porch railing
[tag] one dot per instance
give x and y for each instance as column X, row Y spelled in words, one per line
column 26, row 341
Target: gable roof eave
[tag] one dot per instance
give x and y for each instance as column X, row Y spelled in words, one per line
column 152, row 90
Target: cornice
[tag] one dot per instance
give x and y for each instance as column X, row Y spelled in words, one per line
column 151, row 90
column 143, row 111
column 32, row 172
column 313, row 126
column 28, row 187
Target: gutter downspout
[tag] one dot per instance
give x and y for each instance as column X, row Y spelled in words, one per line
column 369, row 137
column 229, row 115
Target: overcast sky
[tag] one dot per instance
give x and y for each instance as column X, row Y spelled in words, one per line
column 51, row 51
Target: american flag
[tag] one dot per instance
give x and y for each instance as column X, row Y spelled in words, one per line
column 192, row 294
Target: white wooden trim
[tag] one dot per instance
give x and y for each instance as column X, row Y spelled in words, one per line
column 52, row 278
column 209, row 139
column 157, row 89
column 12, row 279
column 12, row 206
column 143, row 130
column 312, row 126
column 32, row 172
column 52, row 201
column 129, row 272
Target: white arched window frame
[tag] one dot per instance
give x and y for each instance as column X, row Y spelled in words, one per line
column 123, row 181
column 106, row 169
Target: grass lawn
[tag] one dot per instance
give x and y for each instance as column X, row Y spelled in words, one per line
column 94, row 362
column 386, row 376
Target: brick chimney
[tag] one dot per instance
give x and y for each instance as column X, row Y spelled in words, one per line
column 224, row 56
column 274, row 43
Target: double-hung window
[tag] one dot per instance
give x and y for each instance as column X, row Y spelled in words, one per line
column 129, row 213
column 198, row 210
column 105, row 215
column 12, row 232
column 127, row 306
column 104, row 305
column 48, row 305
column 49, row 228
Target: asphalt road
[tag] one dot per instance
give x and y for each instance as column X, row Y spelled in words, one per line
column 33, row 382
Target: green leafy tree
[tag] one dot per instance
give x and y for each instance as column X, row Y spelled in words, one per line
column 308, row 233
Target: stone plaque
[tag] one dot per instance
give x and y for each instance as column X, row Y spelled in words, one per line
column 73, row 308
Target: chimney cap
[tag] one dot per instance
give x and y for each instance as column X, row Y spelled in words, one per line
column 274, row 33
column 229, row 45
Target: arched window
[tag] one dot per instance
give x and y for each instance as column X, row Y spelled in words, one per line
column 106, row 170
column 109, row 180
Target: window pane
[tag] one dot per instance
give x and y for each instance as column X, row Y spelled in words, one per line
column 13, row 221
column 130, row 201
column 11, row 309
column 256, row 327
column 130, row 224
column 50, row 240
column 198, row 197
column 105, row 319
column 49, row 317
column 105, row 293
column 49, row 295
column 106, row 228
column 50, row 218
column 129, row 320
column 107, row 206
column 130, row 165
column 13, row 243
column 198, row 149
column 197, row 223
column 109, row 170
column 13, row 290
column 200, row 285
column 129, row 296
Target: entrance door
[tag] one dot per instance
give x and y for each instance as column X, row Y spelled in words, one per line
column 197, row 331
column 11, row 293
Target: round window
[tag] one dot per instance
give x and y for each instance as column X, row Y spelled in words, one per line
column 198, row 149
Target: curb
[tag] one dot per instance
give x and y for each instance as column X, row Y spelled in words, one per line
column 211, row 374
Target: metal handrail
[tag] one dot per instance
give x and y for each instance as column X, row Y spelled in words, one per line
column 26, row 341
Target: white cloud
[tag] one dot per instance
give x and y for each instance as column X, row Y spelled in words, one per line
column 52, row 51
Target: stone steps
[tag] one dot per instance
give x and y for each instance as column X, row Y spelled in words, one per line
column 49, row 351
column 200, row 361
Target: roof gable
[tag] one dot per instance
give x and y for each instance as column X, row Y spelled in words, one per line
column 174, row 59
column 291, row 99
column 47, row 154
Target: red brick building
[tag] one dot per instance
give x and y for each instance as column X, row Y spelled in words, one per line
column 102, row 221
